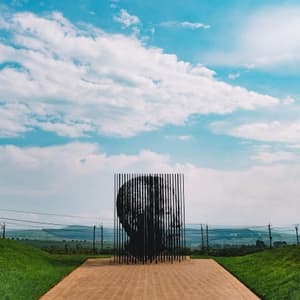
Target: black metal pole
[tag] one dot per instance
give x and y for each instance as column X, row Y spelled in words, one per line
column 94, row 237
column 164, row 217
column 3, row 232
column 181, row 219
column 177, row 216
column 114, row 218
column 202, row 238
column 270, row 235
column 207, row 245
column 118, row 224
column 101, row 236
column 137, row 191
column 183, row 211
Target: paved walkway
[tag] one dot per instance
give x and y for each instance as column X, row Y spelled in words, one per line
column 99, row 279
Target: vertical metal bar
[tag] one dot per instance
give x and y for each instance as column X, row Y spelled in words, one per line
column 137, row 195
column 168, row 216
column 165, row 217
column 119, row 221
column 160, row 224
column 175, row 216
column 117, row 218
column 172, row 217
column 131, row 215
column 114, row 218
column 143, row 211
column 153, row 233
column 180, row 216
column 123, row 217
column 126, row 217
column 177, row 219
column 147, row 200
column 183, row 197
column 177, row 223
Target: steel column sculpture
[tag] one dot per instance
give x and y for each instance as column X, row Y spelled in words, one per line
column 149, row 221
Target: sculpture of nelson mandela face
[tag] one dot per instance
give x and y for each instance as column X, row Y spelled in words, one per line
column 149, row 214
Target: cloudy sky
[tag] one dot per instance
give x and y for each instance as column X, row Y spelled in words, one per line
column 206, row 88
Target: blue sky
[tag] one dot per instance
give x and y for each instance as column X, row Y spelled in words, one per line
column 208, row 88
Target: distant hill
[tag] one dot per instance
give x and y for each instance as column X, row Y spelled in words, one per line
column 217, row 236
column 65, row 233
column 236, row 236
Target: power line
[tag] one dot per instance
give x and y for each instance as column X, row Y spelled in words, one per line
column 35, row 222
column 48, row 214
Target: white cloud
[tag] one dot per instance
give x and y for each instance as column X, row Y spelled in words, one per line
column 288, row 100
column 275, row 131
column 233, row 76
column 109, row 83
column 274, row 157
column 126, row 19
column 13, row 119
column 78, row 178
column 70, row 130
column 267, row 39
column 185, row 24
column 180, row 137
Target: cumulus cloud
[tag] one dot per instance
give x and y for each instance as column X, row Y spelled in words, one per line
column 78, row 178
column 274, row 157
column 267, row 39
column 180, row 137
column 233, row 76
column 275, row 131
column 126, row 19
column 69, row 76
column 185, row 24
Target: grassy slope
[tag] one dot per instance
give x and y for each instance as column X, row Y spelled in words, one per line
column 271, row 274
column 26, row 273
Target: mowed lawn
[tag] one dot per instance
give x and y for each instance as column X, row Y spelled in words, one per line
column 27, row 273
column 271, row 274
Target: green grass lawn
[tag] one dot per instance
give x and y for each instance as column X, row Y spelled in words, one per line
column 27, row 273
column 271, row 274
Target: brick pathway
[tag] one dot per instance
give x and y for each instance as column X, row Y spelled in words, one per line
column 99, row 279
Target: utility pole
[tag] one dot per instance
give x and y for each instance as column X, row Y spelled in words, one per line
column 202, row 238
column 270, row 235
column 207, row 247
column 3, row 230
column 101, row 236
column 297, row 235
column 94, row 237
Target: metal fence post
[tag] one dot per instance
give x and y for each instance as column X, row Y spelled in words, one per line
column 270, row 235
column 207, row 246
column 202, row 238
column 101, row 236
column 94, row 237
